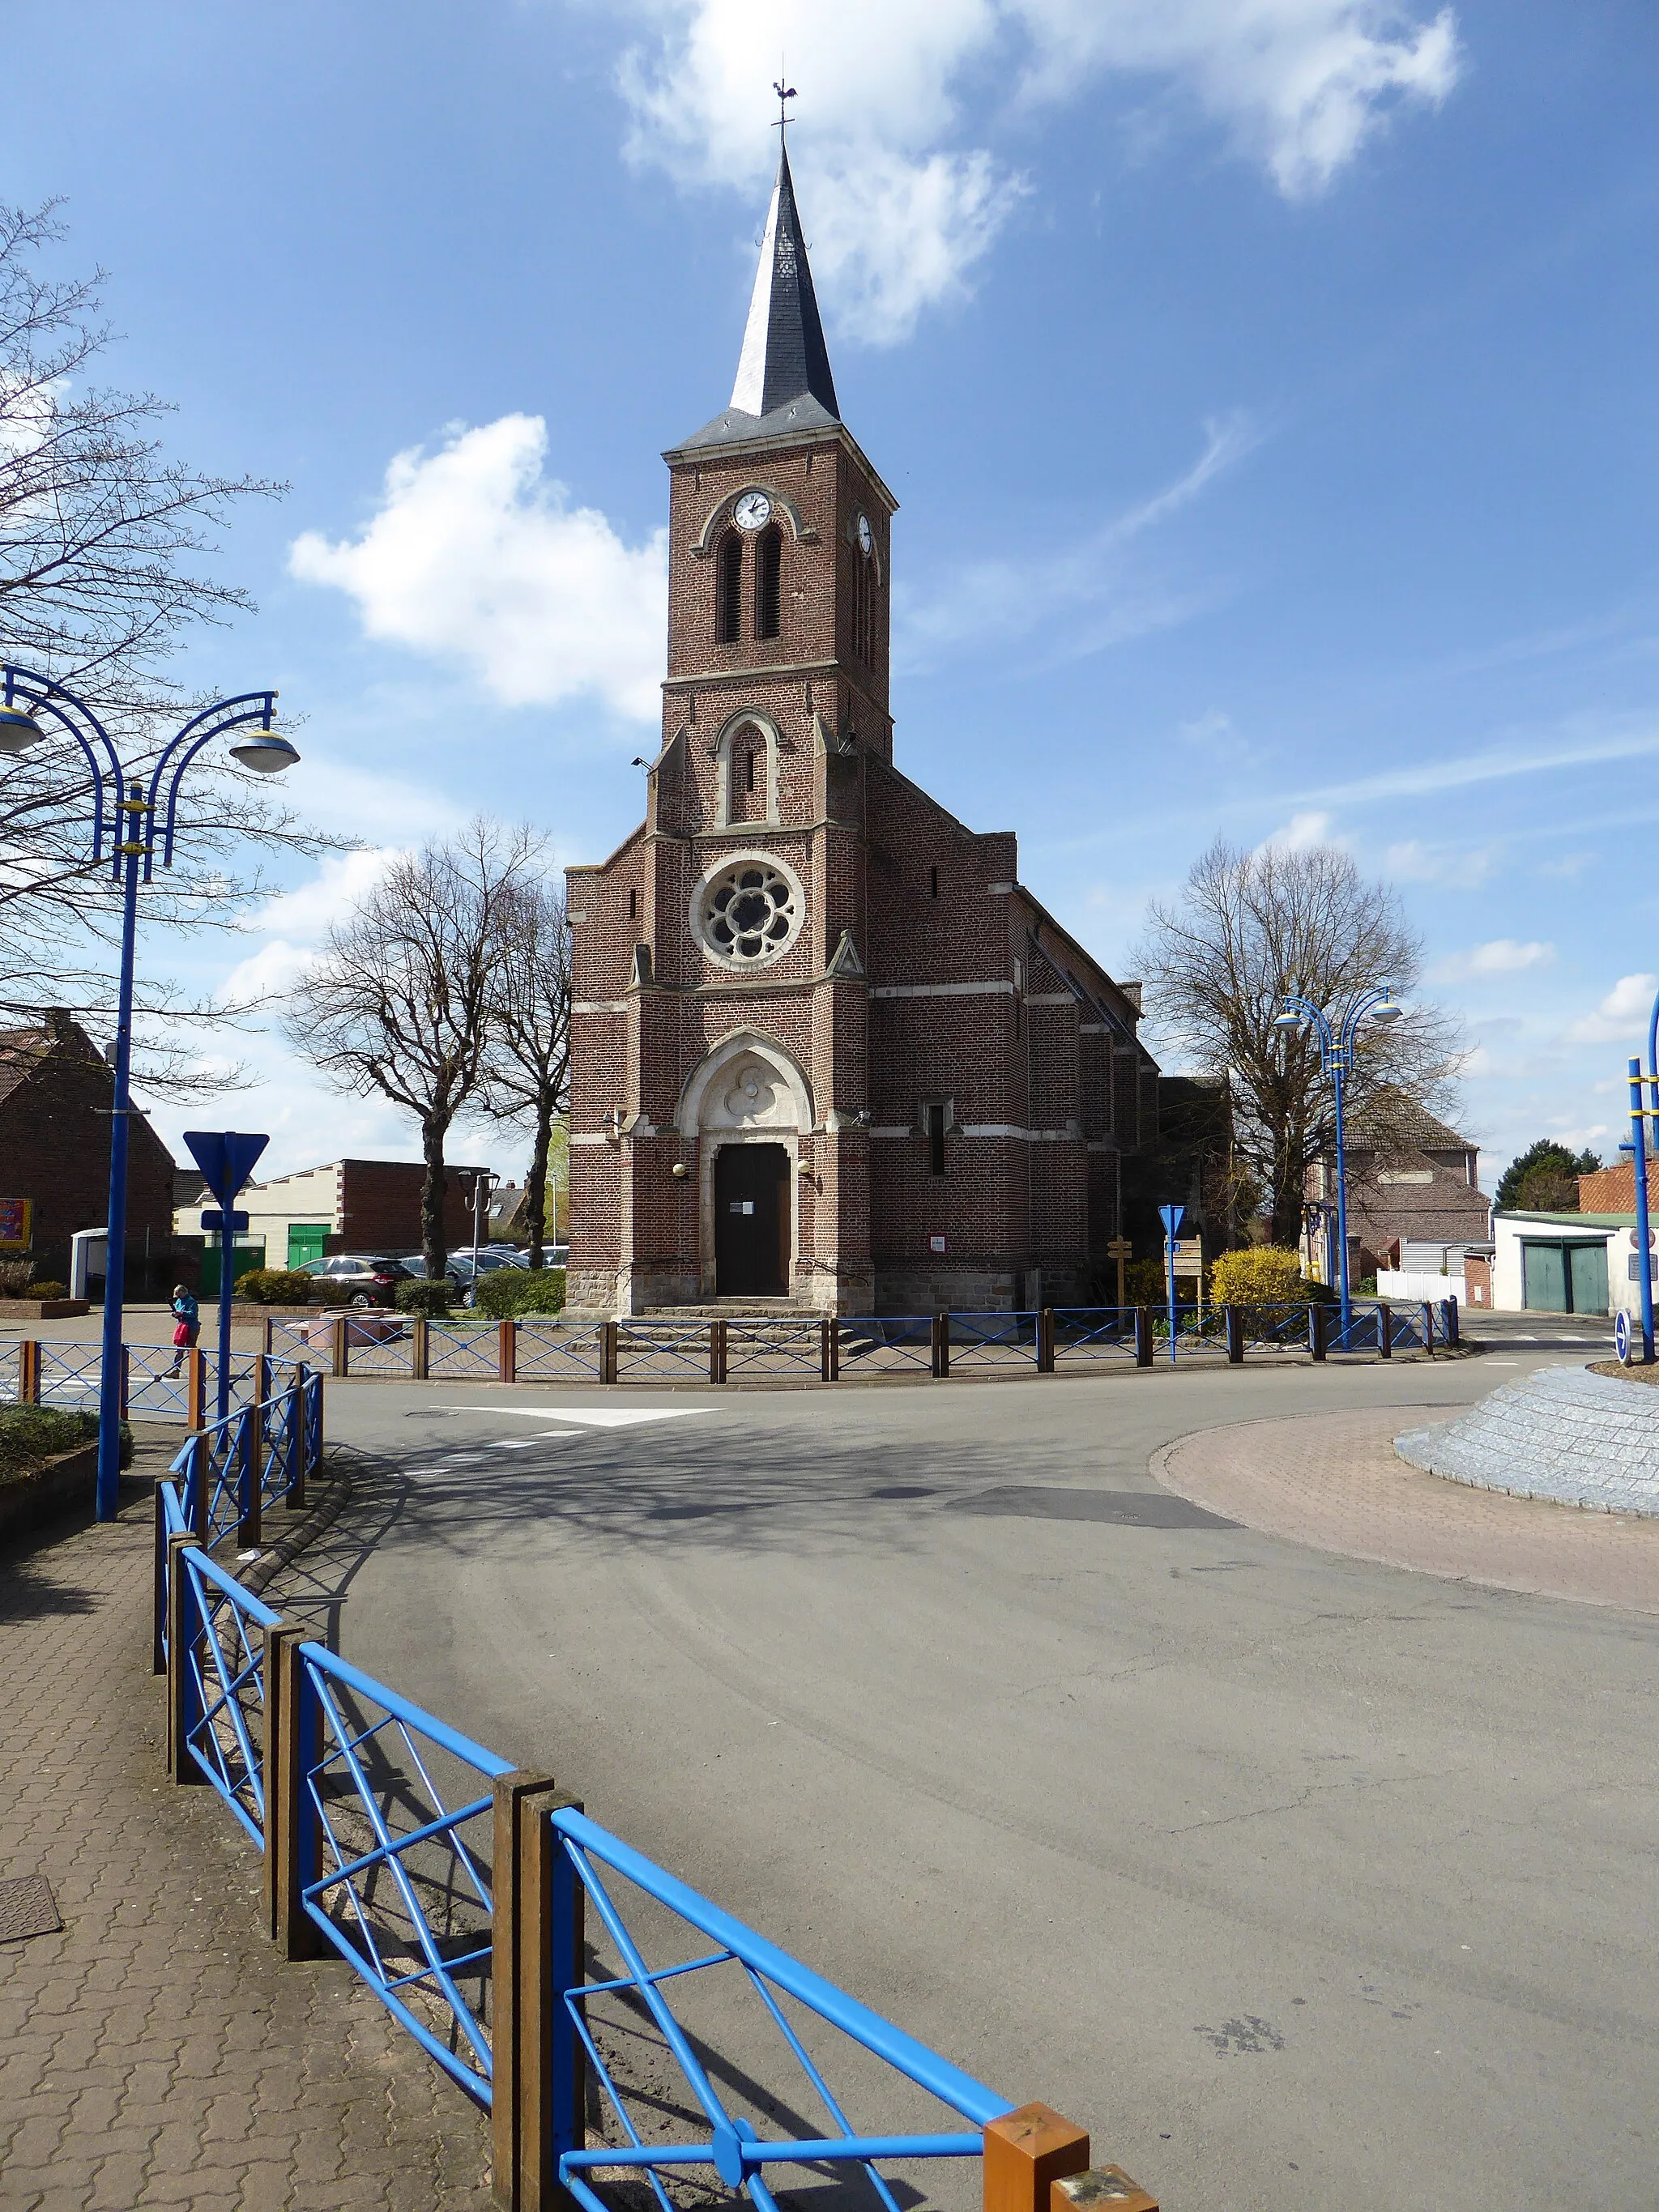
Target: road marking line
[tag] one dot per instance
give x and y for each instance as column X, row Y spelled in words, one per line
column 586, row 1417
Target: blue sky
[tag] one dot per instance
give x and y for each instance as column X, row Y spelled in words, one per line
column 1268, row 383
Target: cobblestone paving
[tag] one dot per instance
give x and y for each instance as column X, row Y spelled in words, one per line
column 1334, row 1481
column 157, row 2052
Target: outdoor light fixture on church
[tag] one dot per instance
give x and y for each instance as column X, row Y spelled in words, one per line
column 134, row 819
column 1336, row 1061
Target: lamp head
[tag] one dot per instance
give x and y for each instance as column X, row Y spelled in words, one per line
column 18, row 730
column 1286, row 1021
column 266, row 752
column 1387, row 1012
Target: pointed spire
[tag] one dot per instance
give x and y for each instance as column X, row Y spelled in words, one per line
column 784, row 355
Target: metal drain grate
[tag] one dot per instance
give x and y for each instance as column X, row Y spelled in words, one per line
column 27, row 1908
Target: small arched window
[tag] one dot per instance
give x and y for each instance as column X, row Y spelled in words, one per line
column 769, row 582
column 728, row 611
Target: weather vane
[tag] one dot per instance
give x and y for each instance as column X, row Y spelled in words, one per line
column 785, row 91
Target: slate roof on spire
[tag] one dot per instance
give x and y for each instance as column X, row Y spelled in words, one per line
column 784, row 382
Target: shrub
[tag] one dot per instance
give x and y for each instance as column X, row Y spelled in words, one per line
column 431, row 1299
column 31, row 1434
column 508, row 1292
column 46, row 1290
column 15, row 1276
column 277, row 1286
column 1261, row 1275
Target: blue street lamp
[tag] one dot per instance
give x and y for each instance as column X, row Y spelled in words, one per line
column 123, row 831
column 1336, row 1061
column 1638, row 1147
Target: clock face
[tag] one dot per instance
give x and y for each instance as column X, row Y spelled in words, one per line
column 867, row 537
column 753, row 511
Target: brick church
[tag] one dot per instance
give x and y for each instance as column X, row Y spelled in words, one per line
column 826, row 1049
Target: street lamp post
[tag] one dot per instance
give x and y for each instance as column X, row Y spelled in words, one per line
column 124, row 833
column 1336, row 1061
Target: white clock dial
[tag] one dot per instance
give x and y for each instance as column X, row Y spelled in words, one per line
column 753, row 511
column 867, row 537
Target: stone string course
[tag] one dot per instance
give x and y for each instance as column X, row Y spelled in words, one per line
column 1561, row 1433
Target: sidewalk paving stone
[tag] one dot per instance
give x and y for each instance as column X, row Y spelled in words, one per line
column 157, row 2052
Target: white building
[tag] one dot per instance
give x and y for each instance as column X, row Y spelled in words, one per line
column 1576, row 1263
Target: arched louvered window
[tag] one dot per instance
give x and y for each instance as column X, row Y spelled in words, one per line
column 864, row 609
column 728, row 612
column 769, row 582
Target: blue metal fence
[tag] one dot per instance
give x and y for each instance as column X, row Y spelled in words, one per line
column 392, row 1823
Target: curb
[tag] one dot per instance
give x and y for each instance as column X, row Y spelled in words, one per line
column 287, row 1547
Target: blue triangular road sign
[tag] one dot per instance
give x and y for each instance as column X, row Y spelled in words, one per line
column 1170, row 1216
column 227, row 1158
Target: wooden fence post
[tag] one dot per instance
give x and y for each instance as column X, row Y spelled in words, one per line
column 183, row 1702
column 294, row 1744
column 126, row 1379
column 1235, row 1320
column 1453, row 1325
column 419, row 1348
column 717, row 1351
column 1143, row 1336
column 29, row 1372
column 941, row 1346
column 1385, row 1332
column 538, row 2065
column 506, row 1351
column 1102, row 2189
column 1045, row 1341
column 1026, row 2151
column 266, row 1337
column 607, row 1351
column 830, row 1355
column 1428, row 1329
column 195, row 1387
column 342, row 1345
column 1317, row 1334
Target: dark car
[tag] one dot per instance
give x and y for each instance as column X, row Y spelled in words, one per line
column 358, row 1278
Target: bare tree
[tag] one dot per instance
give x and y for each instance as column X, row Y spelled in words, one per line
column 527, row 1077
column 1217, row 962
column 399, row 1001
column 103, row 547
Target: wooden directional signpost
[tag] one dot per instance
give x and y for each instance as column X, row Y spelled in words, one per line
column 1122, row 1250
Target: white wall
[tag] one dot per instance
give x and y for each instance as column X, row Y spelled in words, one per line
column 1412, row 1286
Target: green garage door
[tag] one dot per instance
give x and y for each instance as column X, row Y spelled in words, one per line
column 1587, row 1277
column 1564, row 1278
column 306, row 1241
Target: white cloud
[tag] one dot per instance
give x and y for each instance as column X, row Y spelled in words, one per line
column 474, row 556
column 1503, row 956
column 898, row 217
column 1302, row 831
column 1622, row 1016
column 986, row 601
column 1458, row 869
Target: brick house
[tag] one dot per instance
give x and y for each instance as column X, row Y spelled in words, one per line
column 349, row 1206
column 1411, row 1181
column 57, row 1093
column 825, row 1047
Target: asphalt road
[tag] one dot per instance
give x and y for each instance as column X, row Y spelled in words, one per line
column 1304, row 1883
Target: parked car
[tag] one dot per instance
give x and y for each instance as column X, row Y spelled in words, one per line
column 458, row 1268
column 358, row 1278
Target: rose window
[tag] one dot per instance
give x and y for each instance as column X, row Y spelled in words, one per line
column 749, row 911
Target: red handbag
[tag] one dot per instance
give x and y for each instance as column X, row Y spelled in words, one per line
column 181, row 1333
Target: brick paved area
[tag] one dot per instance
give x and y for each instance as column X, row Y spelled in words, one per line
column 1333, row 1481
column 157, row 2052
